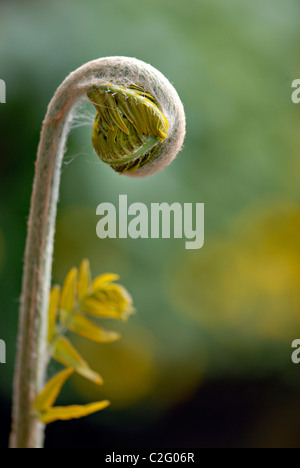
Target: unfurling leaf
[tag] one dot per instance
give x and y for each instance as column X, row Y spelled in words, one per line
column 48, row 396
column 53, row 307
column 84, row 280
column 68, row 295
column 67, row 355
column 82, row 326
column 72, row 412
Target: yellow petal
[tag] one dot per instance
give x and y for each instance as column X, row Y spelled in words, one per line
column 112, row 301
column 103, row 280
column 82, row 326
column 67, row 355
column 65, row 413
column 53, row 307
column 84, row 279
column 119, row 294
column 48, row 396
column 97, row 308
column 68, row 294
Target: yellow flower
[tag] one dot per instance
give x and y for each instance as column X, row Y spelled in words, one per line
column 45, row 400
column 101, row 298
column 68, row 310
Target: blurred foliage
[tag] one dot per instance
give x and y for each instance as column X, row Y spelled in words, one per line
column 1, row 251
column 231, row 307
column 244, row 288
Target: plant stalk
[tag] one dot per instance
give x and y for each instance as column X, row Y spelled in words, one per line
column 30, row 371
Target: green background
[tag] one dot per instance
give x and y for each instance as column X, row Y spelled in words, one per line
column 206, row 361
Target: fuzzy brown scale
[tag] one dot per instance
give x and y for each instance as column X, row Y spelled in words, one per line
column 129, row 127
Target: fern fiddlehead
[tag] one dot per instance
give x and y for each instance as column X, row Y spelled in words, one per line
column 139, row 130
